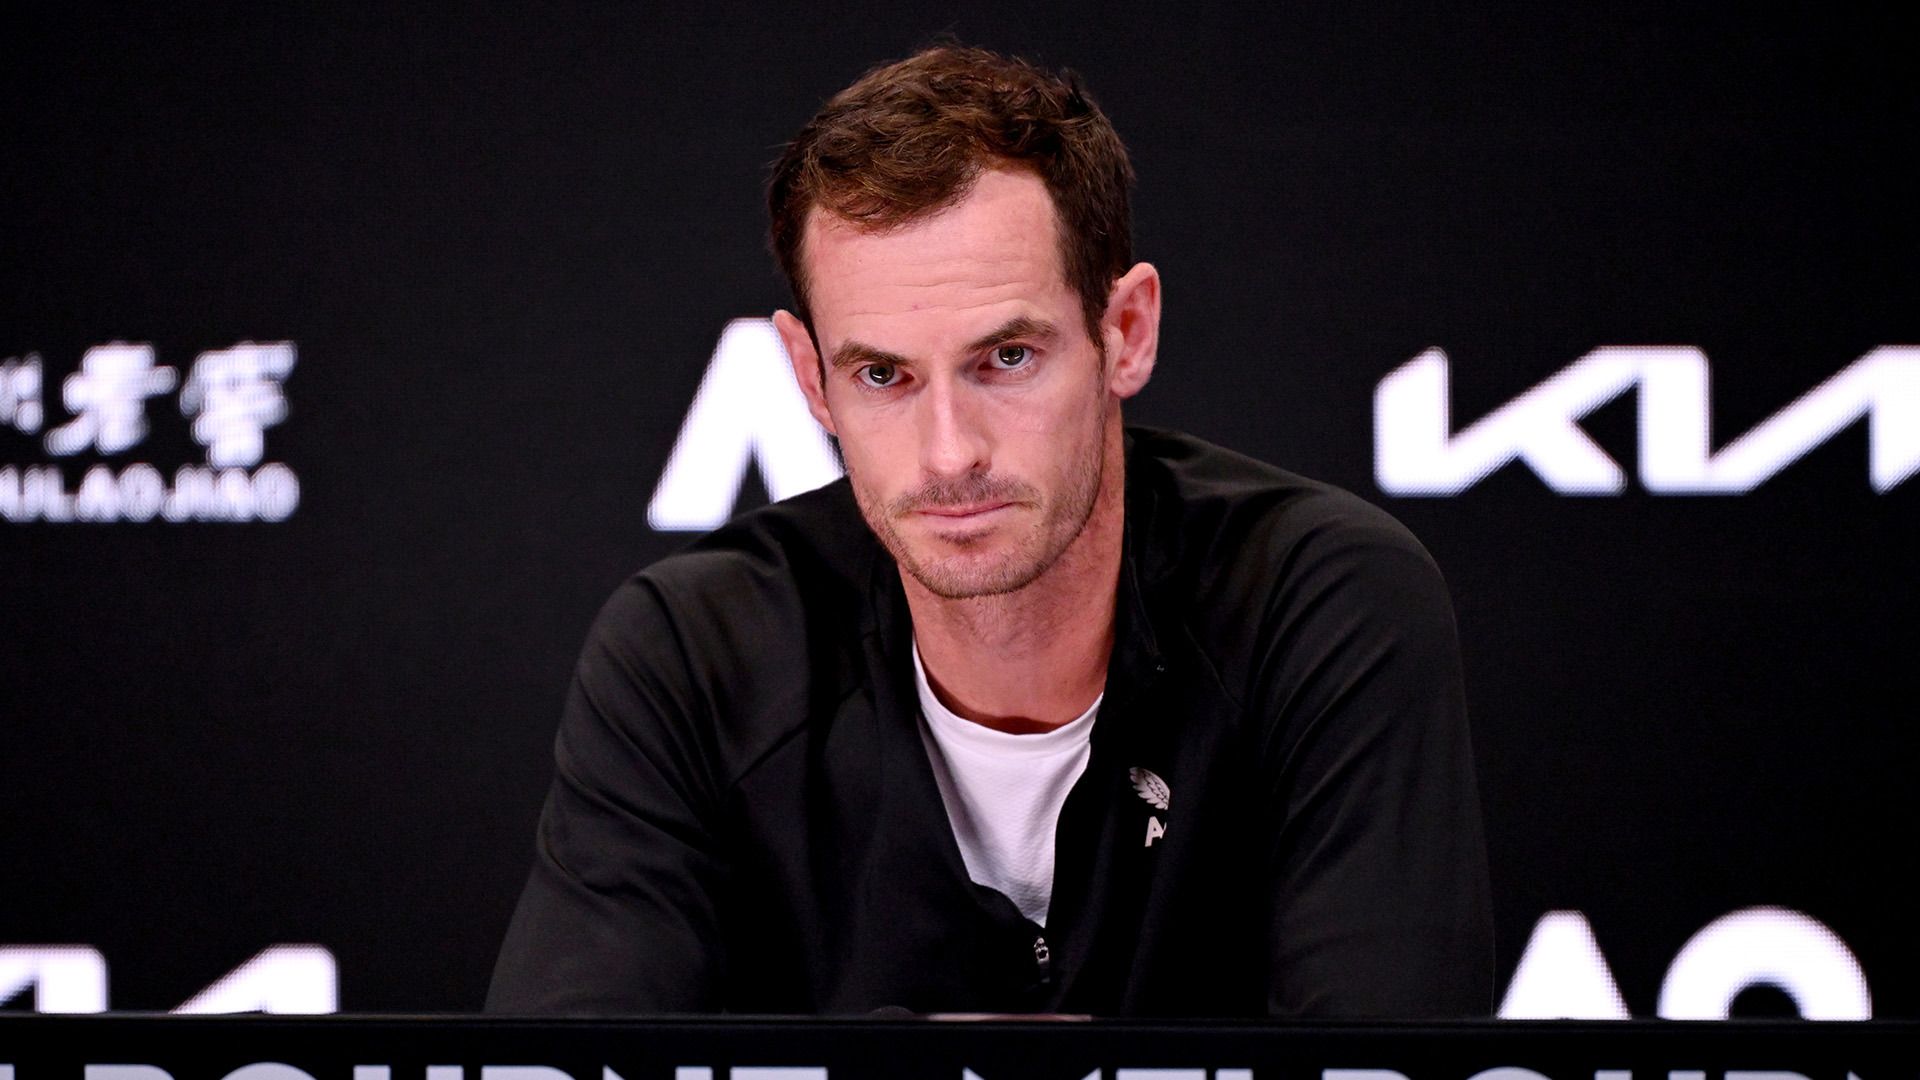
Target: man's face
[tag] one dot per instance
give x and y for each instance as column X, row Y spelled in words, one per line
column 971, row 406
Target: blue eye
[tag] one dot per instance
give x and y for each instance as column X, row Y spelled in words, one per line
column 1009, row 357
column 879, row 374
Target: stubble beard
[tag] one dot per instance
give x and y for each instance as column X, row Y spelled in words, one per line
column 965, row 576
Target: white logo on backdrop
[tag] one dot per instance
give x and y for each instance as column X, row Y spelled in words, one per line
column 20, row 393
column 108, row 397
column 231, row 395
column 748, row 410
column 1416, row 451
column 1562, row 974
column 234, row 395
column 73, row 979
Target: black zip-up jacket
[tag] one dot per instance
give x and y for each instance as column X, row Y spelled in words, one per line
column 743, row 816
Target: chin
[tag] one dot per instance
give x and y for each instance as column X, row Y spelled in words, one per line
column 963, row 577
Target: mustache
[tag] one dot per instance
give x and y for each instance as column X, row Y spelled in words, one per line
column 964, row 490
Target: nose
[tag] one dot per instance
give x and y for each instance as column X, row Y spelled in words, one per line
column 953, row 433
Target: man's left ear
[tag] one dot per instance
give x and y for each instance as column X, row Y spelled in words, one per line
column 1131, row 330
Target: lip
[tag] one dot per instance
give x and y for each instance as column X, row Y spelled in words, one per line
column 961, row 513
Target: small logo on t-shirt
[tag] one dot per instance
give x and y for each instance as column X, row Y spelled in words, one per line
column 1154, row 790
column 1151, row 787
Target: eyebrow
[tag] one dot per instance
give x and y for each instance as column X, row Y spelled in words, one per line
column 851, row 353
column 1020, row 326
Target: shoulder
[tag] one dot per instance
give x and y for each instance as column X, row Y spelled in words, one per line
column 1261, row 563
column 811, row 548
column 1223, row 514
column 738, row 632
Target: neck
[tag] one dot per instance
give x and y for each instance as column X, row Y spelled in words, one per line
column 1033, row 659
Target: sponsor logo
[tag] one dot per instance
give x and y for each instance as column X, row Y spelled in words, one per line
column 1155, row 793
column 1418, row 453
column 1562, row 974
column 748, row 411
column 1150, row 787
column 299, row 979
column 230, row 398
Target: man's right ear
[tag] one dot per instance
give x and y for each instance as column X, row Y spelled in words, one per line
column 805, row 359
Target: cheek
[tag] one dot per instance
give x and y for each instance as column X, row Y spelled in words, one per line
column 873, row 450
column 1059, row 409
column 1048, row 438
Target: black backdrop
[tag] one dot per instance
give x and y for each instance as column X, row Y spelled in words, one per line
column 504, row 243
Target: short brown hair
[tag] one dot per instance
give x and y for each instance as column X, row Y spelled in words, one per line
column 910, row 138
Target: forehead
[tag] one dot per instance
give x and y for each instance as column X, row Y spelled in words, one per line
column 994, row 251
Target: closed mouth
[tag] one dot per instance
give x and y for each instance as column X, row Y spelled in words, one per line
column 966, row 511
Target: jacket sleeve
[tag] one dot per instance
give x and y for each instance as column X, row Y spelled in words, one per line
column 618, row 914
column 1378, row 891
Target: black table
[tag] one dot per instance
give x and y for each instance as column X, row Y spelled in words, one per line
column 129, row 1047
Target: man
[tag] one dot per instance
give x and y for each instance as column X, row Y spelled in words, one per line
column 1030, row 712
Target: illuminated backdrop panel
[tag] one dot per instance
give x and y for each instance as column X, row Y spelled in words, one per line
column 348, row 361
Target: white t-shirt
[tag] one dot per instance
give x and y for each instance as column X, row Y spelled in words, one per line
column 1003, row 793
